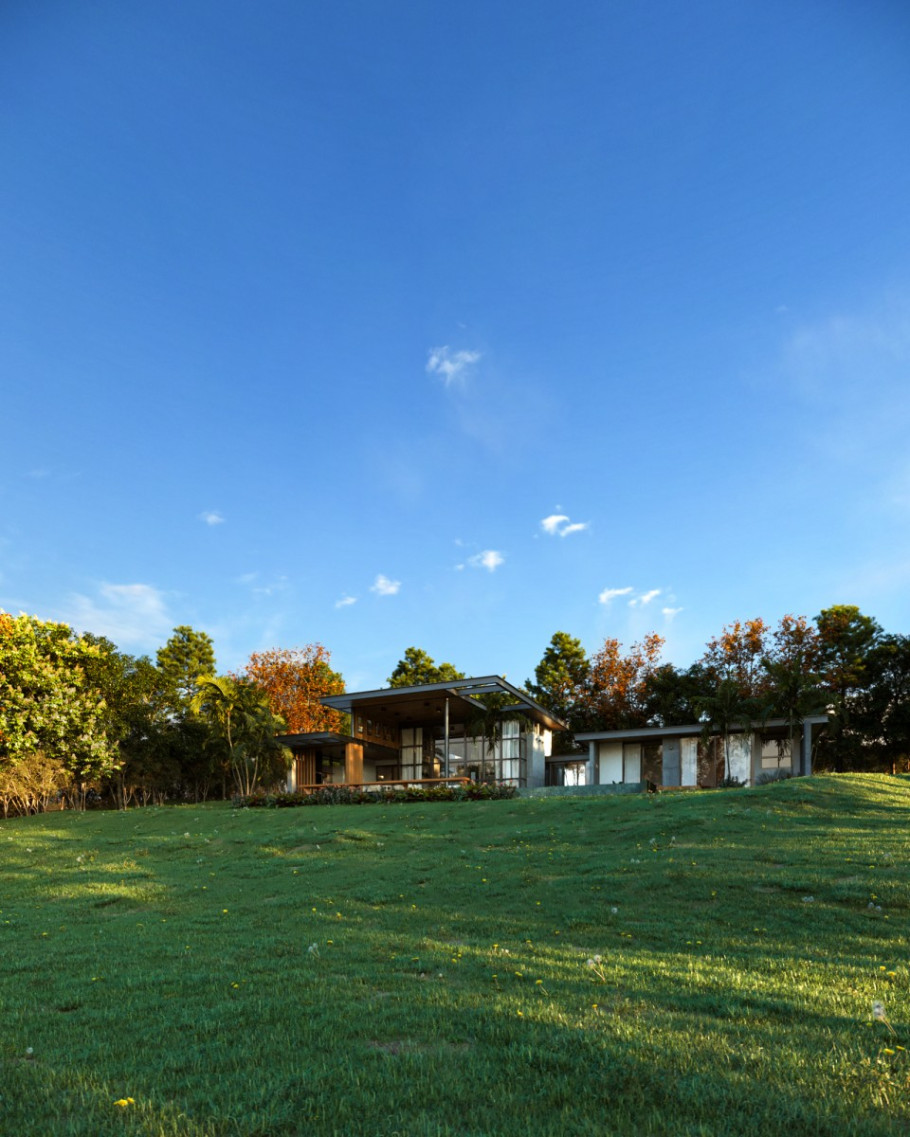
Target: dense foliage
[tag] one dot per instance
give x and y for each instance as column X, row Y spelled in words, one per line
column 841, row 664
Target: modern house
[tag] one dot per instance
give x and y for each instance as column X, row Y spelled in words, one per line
column 436, row 730
column 682, row 756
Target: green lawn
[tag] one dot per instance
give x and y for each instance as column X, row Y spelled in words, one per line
column 423, row 969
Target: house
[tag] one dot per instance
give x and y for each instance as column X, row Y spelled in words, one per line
column 683, row 756
column 435, row 730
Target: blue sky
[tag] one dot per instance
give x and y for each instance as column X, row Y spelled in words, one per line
column 453, row 325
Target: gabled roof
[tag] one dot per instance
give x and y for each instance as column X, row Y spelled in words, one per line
column 426, row 702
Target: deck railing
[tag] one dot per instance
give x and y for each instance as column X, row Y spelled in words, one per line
column 391, row 783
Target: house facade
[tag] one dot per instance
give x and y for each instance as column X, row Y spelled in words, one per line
column 435, row 730
column 684, row 756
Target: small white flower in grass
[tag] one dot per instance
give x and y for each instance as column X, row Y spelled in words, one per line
column 879, row 1016
column 614, row 910
column 313, row 949
column 808, row 900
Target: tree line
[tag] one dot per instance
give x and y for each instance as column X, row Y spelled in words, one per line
column 81, row 721
column 841, row 664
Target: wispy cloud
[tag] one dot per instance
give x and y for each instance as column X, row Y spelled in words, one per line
column 610, row 594
column 450, row 365
column 645, row 598
column 560, row 525
column 210, row 517
column 489, row 559
column 131, row 615
column 382, row 586
column 670, row 613
column 345, row 601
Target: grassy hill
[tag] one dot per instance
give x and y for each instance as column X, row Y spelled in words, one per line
column 432, row 969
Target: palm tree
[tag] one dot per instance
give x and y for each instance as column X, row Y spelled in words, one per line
column 242, row 722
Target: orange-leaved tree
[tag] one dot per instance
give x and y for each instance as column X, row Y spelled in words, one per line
column 736, row 656
column 295, row 679
column 618, row 684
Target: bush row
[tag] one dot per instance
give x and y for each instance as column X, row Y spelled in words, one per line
column 345, row 795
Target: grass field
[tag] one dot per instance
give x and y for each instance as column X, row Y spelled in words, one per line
column 424, row 969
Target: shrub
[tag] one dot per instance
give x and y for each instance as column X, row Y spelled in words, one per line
column 348, row 795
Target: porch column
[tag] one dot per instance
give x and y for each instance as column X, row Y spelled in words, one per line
column 353, row 762
column 806, row 764
column 592, row 773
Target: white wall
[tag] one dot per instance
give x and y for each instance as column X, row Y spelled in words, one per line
column 609, row 763
column 740, row 754
column 688, row 748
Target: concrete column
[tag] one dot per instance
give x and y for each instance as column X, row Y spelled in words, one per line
column 806, row 764
column 591, row 770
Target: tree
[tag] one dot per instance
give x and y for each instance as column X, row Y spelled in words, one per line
column 243, row 727
column 881, row 710
column 672, row 697
column 294, row 680
column 47, row 706
column 186, row 655
column 617, row 689
column 417, row 667
column 847, row 639
column 792, row 681
column 561, row 678
column 736, row 655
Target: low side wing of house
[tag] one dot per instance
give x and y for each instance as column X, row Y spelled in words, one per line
column 687, row 757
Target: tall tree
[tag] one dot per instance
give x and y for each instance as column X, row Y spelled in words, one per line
column 847, row 638
column 417, row 667
column 618, row 683
column 294, row 680
column 244, row 728
column 881, row 710
column 47, row 706
column 672, row 697
column 736, row 655
column 186, row 655
column 792, row 687
column 560, row 683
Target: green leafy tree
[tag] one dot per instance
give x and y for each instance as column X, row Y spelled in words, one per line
column 792, row 687
column 560, row 686
column 417, row 667
column 847, row 640
column 47, row 705
column 881, row 709
column 244, row 728
column 186, row 655
column 672, row 697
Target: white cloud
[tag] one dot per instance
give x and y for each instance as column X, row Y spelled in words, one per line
column 552, row 523
column 345, row 601
column 645, row 598
column 609, row 594
column 131, row 615
column 670, row 612
column 385, row 587
column 210, row 517
column 450, row 365
column 559, row 525
column 488, row 559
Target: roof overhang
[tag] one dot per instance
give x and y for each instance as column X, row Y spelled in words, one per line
column 425, row 704
column 691, row 730
column 335, row 745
